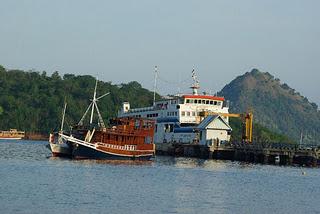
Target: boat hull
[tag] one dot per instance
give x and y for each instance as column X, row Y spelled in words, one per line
column 83, row 152
column 60, row 150
column 10, row 138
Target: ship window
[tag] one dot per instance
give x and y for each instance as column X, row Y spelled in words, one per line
column 219, row 103
column 199, row 101
column 193, row 113
column 183, row 113
column 171, row 128
column 207, row 102
column 187, row 101
column 175, row 113
column 166, row 127
column 195, row 101
column 203, row 102
column 215, row 102
column 188, row 113
column 211, row 102
column 156, row 128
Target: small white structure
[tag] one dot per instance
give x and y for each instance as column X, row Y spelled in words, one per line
column 213, row 129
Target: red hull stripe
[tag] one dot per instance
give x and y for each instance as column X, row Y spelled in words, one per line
column 203, row 97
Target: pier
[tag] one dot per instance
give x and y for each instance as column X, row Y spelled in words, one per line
column 264, row 153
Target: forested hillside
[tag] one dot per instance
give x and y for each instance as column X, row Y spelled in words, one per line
column 33, row 101
column 275, row 105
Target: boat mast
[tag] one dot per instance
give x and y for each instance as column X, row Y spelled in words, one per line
column 93, row 101
column 63, row 114
column 93, row 105
column 155, row 84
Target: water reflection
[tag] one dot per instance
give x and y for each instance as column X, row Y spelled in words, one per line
column 107, row 162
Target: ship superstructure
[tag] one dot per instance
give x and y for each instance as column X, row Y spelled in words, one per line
column 178, row 118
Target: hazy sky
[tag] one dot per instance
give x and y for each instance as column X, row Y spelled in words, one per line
column 122, row 41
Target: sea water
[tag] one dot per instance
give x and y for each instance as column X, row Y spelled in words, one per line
column 31, row 181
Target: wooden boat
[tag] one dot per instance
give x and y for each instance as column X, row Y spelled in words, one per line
column 12, row 134
column 127, row 138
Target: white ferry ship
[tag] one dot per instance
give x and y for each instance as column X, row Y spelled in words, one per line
column 182, row 118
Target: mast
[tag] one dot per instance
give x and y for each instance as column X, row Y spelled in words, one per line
column 93, row 101
column 155, row 84
column 63, row 114
column 93, row 105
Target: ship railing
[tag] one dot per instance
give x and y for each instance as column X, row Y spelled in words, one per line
column 140, row 109
column 75, row 140
column 119, row 147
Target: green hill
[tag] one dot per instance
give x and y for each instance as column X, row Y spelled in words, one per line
column 275, row 105
column 32, row 101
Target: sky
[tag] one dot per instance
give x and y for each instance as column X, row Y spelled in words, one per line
column 122, row 41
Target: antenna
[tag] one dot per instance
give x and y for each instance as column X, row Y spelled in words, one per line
column 155, row 84
column 195, row 86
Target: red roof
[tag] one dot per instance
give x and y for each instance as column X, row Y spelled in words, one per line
column 203, row 97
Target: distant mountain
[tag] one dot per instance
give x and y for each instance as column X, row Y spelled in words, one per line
column 275, row 105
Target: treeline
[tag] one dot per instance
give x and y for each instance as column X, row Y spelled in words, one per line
column 33, row 101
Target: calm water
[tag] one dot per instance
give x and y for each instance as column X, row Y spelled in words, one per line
column 32, row 182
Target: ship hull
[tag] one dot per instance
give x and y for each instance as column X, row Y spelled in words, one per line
column 10, row 138
column 60, row 150
column 83, row 152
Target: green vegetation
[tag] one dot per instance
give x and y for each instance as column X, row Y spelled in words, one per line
column 260, row 133
column 32, row 101
column 275, row 106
